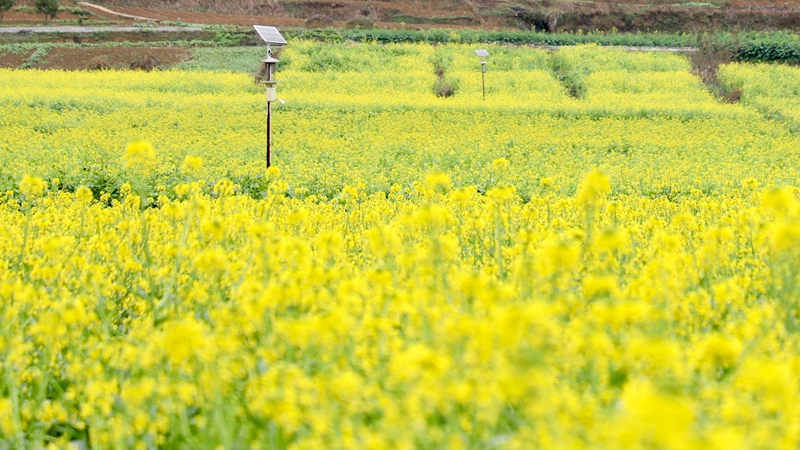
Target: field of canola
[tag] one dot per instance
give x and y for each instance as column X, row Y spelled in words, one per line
column 533, row 271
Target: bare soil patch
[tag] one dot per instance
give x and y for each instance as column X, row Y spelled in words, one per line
column 303, row 9
column 550, row 15
column 12, row 61
column 210, row 18
column 112, row 58
column 206, row 18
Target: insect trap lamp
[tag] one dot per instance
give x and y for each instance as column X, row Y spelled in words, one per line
column 483, row 54
column 274, row 40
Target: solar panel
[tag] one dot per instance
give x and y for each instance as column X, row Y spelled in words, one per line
column 270, row 35
column 482, row 53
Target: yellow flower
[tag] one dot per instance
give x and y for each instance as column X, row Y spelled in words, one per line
column 593, row 187
column 647, row 415
column 84, row 194
column 191, row 165
column 463, row 194
column 350, row 193
column 7, row 425
column 139, row 155
column 212, row 261
column 224, row 188
column 598, row 284
column 778, row 200
column 273, row 173
column 502, row 193
column 297, row 216
column 719, row 352
column 784, row 236
column 611, row 240
column 438, row 181
column 500, row 164
column 750, row 183
column 32, row 186
column 183, row 339
column 182, row 189
column 559, row 254
column 213, row 227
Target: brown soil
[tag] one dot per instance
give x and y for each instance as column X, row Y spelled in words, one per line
column 12, row 61
column 112, row 58
column 206, row 18
column 280, row 13
column 657, row 15
column 379, row 11
column 676, row 18
column 292, row 19
column 551, row 15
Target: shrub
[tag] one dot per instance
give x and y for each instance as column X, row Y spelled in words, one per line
column 5, row 5
column 445, row 86
column 49, row 8
column 98, row 63
column 319, row 21
column 360, row 23
column 147, row 64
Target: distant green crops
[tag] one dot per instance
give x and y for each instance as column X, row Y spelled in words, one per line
column 225, row 59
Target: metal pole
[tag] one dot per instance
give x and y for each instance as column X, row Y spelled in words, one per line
column 269, row 132
column 483, row 83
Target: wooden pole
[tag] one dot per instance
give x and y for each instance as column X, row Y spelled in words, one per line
column 269, row 132
column 483, row 83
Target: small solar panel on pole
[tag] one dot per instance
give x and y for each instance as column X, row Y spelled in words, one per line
column 483, row 53
column 272, row 37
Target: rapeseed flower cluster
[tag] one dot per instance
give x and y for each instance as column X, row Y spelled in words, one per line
column 430, row 317
column 771, row 89
column 533, row 271
column 364, row 113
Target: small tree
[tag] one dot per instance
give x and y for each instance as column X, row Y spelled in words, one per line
column 47, row 7
column 5, row 5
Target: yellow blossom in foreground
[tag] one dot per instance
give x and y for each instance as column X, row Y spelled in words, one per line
column 438, row 180
column 139, row 155
column 191, row 165
column 593, row 187
column 32, row 186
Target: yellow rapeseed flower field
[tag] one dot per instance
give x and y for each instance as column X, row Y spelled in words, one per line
column 536, row 270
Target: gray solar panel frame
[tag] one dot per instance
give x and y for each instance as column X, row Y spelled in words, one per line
column 270, row 35
column 482, row 53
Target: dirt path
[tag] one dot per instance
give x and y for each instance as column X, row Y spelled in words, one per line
column 205, row 18
column 118, row 14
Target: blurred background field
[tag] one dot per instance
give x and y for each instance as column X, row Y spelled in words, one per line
column 374, row 113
